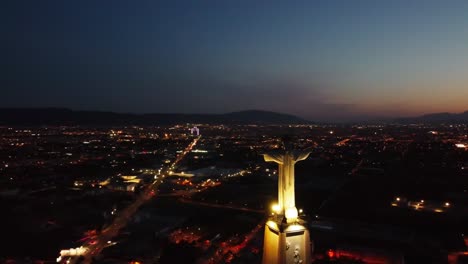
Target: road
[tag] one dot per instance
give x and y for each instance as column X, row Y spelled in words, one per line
column 343, row 142
column 338, row 188
column 104, row 239
column 245, row 209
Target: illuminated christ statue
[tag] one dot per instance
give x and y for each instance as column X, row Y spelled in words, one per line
column 286, row 160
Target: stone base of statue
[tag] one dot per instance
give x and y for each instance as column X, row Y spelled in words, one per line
column 286, row 242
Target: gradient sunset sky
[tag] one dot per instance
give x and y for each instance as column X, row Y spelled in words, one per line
column 322, row 60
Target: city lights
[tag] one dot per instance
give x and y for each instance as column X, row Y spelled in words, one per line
column 190, row 171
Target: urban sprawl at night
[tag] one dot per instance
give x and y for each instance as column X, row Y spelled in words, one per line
column 175, row 194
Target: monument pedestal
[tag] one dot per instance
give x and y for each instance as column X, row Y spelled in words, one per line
column 286, row 243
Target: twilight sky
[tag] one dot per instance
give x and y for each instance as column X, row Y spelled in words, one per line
column 322, row 60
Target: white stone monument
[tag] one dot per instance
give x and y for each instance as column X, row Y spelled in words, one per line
column 287, row 240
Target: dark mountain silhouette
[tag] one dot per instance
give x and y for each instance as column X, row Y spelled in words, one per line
column 63, row 116
column 252, row 116
column 437, row 118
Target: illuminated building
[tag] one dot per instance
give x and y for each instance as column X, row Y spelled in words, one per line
column 195, row 131
column 286, row 238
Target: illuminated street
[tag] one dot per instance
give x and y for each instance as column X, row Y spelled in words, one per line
column 246, row 209
column 104, row 239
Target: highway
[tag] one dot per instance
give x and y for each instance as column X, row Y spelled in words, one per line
column 343, row 183
column 104, row 239
column 342, row 142
column 245, row 209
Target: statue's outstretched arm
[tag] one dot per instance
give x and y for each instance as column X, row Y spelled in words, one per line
column 278, row 158
column 298, row 156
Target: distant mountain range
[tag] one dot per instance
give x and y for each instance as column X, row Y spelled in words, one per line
column 437, row 118
column 63, row 116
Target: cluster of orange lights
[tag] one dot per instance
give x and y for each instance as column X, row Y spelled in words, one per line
column 185, row 183
column 185, row 235
column 344, row 254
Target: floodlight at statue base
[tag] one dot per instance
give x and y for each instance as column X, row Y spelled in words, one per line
column 286, row 242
